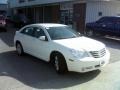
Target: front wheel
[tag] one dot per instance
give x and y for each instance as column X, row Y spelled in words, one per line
column 59, row 63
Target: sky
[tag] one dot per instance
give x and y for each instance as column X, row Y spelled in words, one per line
column 3, row 1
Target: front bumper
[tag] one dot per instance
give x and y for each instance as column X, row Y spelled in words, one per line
column 87, row 64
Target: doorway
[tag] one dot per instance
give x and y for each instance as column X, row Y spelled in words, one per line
column 79, row 15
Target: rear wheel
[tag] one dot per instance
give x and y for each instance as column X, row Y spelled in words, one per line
column 59, row 63
column 19, row 49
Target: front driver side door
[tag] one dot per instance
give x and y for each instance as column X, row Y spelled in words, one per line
column 41, row 48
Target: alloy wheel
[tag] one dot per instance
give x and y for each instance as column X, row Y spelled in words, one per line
column 56, row 63
column 19, row 49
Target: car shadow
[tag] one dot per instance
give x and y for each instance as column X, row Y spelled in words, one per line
column 39, row 74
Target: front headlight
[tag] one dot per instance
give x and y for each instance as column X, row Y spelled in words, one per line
column 79, row 53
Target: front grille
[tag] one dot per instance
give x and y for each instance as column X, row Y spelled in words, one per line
column 98, row 54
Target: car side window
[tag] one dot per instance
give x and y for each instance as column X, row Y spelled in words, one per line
column 28, row 31
column 38, row 32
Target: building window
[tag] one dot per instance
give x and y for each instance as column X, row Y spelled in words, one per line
column 21, row 1
column 66, row 17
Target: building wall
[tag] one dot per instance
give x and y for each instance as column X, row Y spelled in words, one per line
column 95, row 9
column 15, row 3
column 3, row 7
column 106, row 8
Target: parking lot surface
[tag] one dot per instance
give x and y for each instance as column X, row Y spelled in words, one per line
column 30, row 73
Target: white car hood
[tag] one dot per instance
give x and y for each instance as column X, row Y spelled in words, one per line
column 81, row 43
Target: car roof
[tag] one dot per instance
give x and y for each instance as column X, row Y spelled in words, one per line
column 111, row 17
column 47, row 25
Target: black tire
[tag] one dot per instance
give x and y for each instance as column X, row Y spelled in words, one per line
column 2, row 29
column 59, row 63
column 19, row 49
column 5, row 30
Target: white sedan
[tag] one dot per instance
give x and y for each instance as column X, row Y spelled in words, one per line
column 63, row 46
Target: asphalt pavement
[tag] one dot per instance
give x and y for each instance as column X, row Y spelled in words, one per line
column 29, row 73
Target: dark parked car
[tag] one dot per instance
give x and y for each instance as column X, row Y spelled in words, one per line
column 108, row 25
column 2, row 24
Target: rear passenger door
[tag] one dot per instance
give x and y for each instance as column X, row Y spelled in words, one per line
column 27, row 39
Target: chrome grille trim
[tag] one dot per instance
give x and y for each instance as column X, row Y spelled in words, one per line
column 98, row 54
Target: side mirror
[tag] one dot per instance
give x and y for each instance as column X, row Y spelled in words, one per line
column 80, row 34
column 42, row 38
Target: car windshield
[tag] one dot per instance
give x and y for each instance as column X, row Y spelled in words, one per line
column 107, row 19
column 62, row 32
